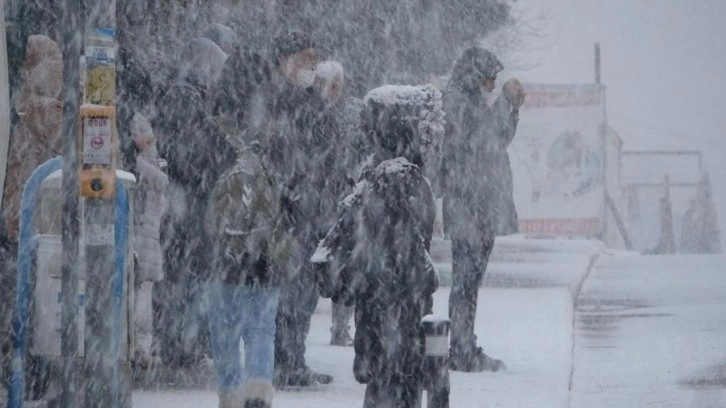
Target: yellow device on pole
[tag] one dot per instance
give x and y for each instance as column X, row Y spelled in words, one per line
column 98, row 161
column 99, row 139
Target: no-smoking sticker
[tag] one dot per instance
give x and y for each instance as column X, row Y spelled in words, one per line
column 97, row 140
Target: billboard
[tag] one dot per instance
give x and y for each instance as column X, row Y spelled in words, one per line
column 558, row 161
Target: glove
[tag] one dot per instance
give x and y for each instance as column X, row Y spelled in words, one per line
column 514, row 93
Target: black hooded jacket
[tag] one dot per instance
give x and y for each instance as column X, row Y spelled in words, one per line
column 197, row 154
column 475, row 173
column 297, row 155
column 378, row 255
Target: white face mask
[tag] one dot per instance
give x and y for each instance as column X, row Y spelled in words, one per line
column 305, row 78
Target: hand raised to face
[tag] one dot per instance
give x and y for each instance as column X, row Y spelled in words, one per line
column 514, row 92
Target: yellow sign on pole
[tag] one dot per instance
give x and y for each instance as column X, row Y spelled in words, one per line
column 101, row 85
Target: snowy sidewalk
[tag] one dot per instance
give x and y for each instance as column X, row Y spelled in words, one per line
column 651, row 332
column 525, row 317
column 530, row 329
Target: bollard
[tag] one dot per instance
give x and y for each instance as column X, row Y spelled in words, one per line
column 436, row 363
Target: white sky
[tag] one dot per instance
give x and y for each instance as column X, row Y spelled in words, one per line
column 663, row 61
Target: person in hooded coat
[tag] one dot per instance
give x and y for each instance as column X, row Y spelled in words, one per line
column 476, row 183
column 377, row 257
column 296, row 159
column 37, row 136
column 197, row 154
column 149, row 203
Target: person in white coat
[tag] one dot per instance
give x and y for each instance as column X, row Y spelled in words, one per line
column 149, row 204
column 330, row 82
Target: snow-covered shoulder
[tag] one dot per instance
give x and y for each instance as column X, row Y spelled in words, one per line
column 321, row 255
column 351, row 198
column 403, row 94
column 395, row 166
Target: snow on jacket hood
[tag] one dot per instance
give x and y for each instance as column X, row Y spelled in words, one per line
column 418, row 105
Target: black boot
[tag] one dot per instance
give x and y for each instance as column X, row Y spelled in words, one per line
column 304, row 377
column 256, row 403
column 472, row 359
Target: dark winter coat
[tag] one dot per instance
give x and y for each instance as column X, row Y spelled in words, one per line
column 378, row 256
column 335, row 156
column 357, row 147
column 197, row 154
column 297, row 156
column 251, row 236
column 248, row 217
column 476, row 176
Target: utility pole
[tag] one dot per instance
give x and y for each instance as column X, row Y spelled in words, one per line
column 97, row 186
column 89, row 178
column 71, row 43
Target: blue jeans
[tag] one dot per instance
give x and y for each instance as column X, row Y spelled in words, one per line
column 246, row 312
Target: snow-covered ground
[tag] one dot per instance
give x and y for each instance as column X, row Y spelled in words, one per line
column 525, row 318
column 651, row 332
column 530, row 329
column 577, row 326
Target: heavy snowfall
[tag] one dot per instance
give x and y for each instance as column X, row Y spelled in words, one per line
column 367, row 203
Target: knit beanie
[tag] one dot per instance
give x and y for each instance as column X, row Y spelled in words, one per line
column 290, row 43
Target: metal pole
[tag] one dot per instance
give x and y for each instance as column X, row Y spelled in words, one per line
column 71, row 19
column 101, row 359
column 597, row 63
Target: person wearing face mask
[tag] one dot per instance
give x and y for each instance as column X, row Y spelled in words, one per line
column 294, row 160
column 336, row 145
column 476, row 183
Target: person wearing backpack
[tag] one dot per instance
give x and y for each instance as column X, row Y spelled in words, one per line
column 252, row 246
column 376, row 256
